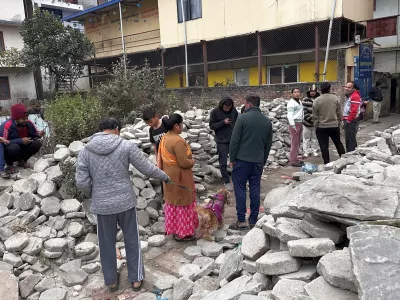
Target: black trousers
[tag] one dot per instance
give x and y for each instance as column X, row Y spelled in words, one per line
column 350, row 131
column 223, row 151
column 17, row 152
column 323, row 135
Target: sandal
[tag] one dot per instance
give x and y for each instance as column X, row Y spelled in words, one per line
column 24, row 164
column 115, row 288
column 10, row 170
column 138, row 288
column 188, row 238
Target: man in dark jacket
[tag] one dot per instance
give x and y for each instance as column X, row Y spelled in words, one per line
column 222, row 121
column 377, row 98
column 310, row 143
column 249, row 149
column 23, row 139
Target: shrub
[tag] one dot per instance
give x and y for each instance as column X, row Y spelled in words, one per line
column 73, row 117
column 130, row 90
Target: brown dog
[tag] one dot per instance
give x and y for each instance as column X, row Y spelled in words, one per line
column 211, row 216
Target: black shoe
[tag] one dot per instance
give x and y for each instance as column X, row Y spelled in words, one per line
column 239, row 226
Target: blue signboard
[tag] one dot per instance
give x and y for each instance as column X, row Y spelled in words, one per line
column 365, row 63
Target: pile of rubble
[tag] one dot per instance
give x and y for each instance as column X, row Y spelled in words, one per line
column 328, row 236
column 48, row 245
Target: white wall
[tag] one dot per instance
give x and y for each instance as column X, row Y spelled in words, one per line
column 12, row 37
column 12, row 10
column 22, row 85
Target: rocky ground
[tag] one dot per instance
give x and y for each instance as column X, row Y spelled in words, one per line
column 49, row 247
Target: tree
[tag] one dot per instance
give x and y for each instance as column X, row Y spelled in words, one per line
column 60, row 50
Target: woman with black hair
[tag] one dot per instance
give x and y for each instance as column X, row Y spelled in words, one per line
column 175, row 159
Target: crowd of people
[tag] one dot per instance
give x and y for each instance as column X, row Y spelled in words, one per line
column 244, row 140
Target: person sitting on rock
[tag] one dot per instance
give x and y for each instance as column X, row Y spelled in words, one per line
column 22, row 139
column 103, row 175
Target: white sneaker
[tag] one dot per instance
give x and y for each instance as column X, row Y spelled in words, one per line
column 228, row 187
column 315, row 154
column 305, row 155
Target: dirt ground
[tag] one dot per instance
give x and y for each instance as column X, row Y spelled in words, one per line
column 169, row 258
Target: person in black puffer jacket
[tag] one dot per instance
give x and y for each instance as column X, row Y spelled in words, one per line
column 310, row 142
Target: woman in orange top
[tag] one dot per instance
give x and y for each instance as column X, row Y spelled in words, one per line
column 175, row 159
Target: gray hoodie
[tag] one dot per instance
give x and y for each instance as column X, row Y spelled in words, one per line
column 103, row 173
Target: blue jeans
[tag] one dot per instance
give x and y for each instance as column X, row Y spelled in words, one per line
column 242, row 172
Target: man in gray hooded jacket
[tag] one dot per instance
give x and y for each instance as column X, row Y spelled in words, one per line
column 103, row 174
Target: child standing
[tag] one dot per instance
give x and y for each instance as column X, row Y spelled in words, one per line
column 157, row 129
column 295, row 115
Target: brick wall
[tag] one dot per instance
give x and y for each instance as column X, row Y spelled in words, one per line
column 200, row 97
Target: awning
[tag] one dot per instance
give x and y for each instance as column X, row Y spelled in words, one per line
column 100, row 9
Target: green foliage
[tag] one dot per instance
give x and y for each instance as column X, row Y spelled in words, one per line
column 49, row 44
column 67, row 180
column 73, row 117
column 130, row 90
column 10, row 58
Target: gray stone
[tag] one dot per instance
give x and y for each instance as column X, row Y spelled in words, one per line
column 56, row 245
column 39, row 177
column 391, row 176
column 25, row 202
column 153, row 214
column 91, row 268
column 17, row 242
column 61, row 154
column 139, row 183
column 42, row 164
column 157, row 240
column 27, row 286
column 277, row 263
column 45, row 284
column 289, row 232
column 54, row 173
column 266, row 281
column 306, row 273
column 4, row 211
column 8, row 286
column 233, row 239
column 57, row 223
column 375, row 260
column 25, row 174
column 234, row 289
column 143, row 218
column 148, row 193
column 50, row 206
column 188, row 271
column 329, row 195
column 72, row 278
column 313, row 247
column 254, row 244
column 287, row 289
column 47, row 189
column 205, row 283
column 343, row 162
column 73, row 265
column 165, row 282
column 7, row 200
column 202, row 261
column 336, row 269
column 146, row 296
column 75, row 229
column 51, row 255
column 91, row 256
column 25, row 186
column 232, row 266
column 219, row 235
column 30, row 216
column 70, row 205
column 319, row 229
column 84, row 248
column 75, row 147
column 6, row 267
column 211, row 249
column 39, row 267
column 192, row 252
column 29, row 259
column 12, row 259
column 183, row 288
column 5, row 233
column 34, row 246
column 54, row 294
column 275, row 197
column 319, row 289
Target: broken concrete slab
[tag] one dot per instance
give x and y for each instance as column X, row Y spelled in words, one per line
column 313, row 247
column 319, row 289
column 287, row 289
column 306, row 273
column 330, row 195
column 336, row 269
column 375, row 260
column 254, row 244
column 277, row 263
column 318, row 229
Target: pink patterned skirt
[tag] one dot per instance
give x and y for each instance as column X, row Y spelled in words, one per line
column 180, row 220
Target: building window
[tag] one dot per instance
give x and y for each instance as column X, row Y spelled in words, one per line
column 2, row 46
column 283, row 74
column 242, row 77
column 192, row 9
column 4, row 88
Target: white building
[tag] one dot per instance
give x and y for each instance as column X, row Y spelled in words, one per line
column 16, row 84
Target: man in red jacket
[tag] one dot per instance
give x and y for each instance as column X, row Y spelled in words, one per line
column 351, row 112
